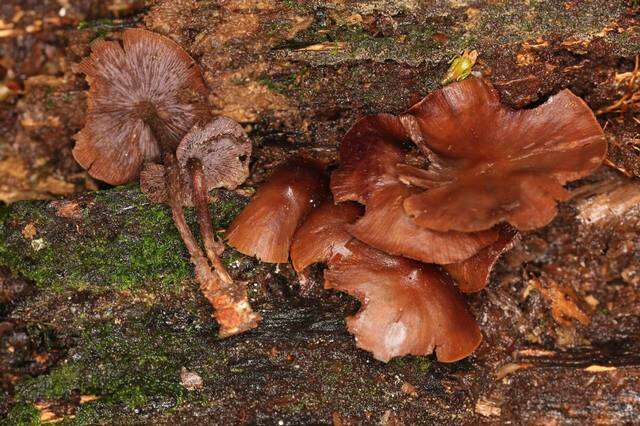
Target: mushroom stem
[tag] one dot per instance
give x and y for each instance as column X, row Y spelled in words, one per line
column 231, row 305
column 200, row 200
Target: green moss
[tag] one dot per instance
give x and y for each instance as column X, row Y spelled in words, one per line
column 123, row 241
column 58, row 384
column 22, row 415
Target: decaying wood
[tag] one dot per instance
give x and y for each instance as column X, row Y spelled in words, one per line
column 100, row 313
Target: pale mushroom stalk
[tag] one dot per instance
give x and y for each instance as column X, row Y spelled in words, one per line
column 199, row 197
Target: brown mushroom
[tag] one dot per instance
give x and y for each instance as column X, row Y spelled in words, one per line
column 387, row 227
column 266, row 226
column 323, row 233
column 223, row 149
column 407, row 307
column 492, row 164
column 145, row 93
column 144, row 96
column 472, row 275
column 371, row 172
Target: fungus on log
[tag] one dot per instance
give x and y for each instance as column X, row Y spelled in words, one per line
column 407, row 307
column 144, row 97
column 472, row 275
column 370, row 172
column 147, row 82
column 212, row 156
column 266, row 226
column 492, row 164
column 323, row 233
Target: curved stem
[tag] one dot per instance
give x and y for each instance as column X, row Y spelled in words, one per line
column 231, row 306
column 200, row 201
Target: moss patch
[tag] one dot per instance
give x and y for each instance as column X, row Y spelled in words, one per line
column 122, row 241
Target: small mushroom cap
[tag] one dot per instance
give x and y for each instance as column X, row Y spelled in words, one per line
column 222, row 147
column 495, row 164
column 387, row 227
column 148, row 71
column 407, row 307
column 472, row 275
column 224, row 150
column 323, row 233
column 267, row 224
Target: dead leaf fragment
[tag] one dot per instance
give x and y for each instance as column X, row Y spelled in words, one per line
column 190, row 380
column 88, row 398
column 409, row 389
column 562, row 299
column 599, row 368
column 67, row 209
column 487, row 407
column 29, row 231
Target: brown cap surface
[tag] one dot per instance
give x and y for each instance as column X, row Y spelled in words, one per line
column 323, row 233
column 266, row 226
column 371, row 172
column 408, row 308
column 222, row 147
column 472, row 274
column 148, row 71
column 494, row 164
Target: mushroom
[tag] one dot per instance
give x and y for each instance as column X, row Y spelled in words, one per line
column 144, row 97
column 267, row 224
column 371, row 172
column 407, row 307
column 323, row 233
column 491, row 164
column 472, row 275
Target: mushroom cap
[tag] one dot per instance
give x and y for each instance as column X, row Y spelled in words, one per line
column 224, row 150
column 369, row 153
column 323, row 233
column 222, row 147
column 472, row 275
column 266, row 226
column 387, row 227
column 148, row 71
column 407, row 307
column 371, row 172
column 494, row 164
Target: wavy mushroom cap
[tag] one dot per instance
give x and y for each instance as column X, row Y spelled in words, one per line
column 369, row 153
column 387, row 227
column 323, row 233
column 147, row 74
column 266, row 226
column 472, row 275
column 223, row 149
column 408, row 308
column 371, row 172
column 494, row 164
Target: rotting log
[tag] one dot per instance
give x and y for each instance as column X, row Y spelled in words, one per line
column 100, row 312
column 113, row 289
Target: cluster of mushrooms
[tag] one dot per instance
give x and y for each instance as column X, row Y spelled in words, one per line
column 418, row 211
column 147, row 117
column 421, row 202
